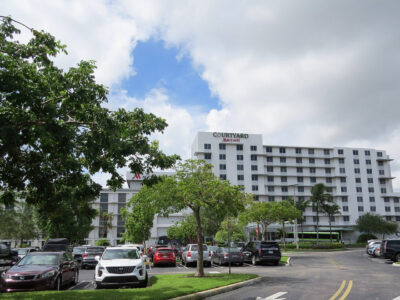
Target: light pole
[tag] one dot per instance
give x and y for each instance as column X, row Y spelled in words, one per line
column 295, row 232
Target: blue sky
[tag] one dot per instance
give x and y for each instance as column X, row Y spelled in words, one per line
column 159, row 67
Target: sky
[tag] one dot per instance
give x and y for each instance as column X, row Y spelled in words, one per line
column 306, row 73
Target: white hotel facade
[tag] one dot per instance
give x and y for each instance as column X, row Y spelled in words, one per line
column 359, row 180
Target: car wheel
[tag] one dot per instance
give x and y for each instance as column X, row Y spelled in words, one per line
column 174, row 265
column 276, row 263
column 240, row 264
column 397, row 258
column 143, row 284
column 75, row 278
column 97, row 285
column 254, row 260
column 57, row 284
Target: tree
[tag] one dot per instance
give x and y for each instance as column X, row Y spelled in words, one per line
column 105, row 222
column 375, row 224
column 195, row 186
column 301, row 205
column 318, row 199
column 261, row 214
column 331, row 210
column 55, row 133
column 184, row 230
column 284, row 211
column 236, row 232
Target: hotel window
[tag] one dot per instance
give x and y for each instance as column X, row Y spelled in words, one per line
column 300, row 189
column 312, row 170
column 282, row 159
column 359, row 199
column 283, row 169
column 254, row 167
column 372, row 208
column 344, row 199
column 342, row 170
column 311, row 151
column 397, row 209
column 370, row 180
column 361, row 208
column 328, row 189
column 397, row 218
column 381, row 172
column 271, row 188
column 327, row 171
column 343, row 189
column 328, row 180
column 359, row 189
column 340, row 151
column 346, row 218
column 383, row 190
column 326, row 151
column 239, row 157
column 253, row 148
column 357, row 170
column 256, row 198
column 254, row 187
column 343, row 179
column 222, row 146
column 270, row 169
column 299, row 160
column 222, row 176
column 271, row 198
column 370, row 190
column 282, row 150
column 369, row 171
column 299, row 170
column 270, row 178
column 207, row 155
column 387, row 208
column 367, row 153
column 356, row 161
column 298, row 150
column 386, row 199
column 222, row 167
column 268, row 149
column 240, row 177
column 345, row 208
column 240, row 167
column 122, row 197
column 341, row 161
column 239, row 147
column 332, row 218
column 396, row 200
column 254, row 177
column 300, row 179
column 371, row 199
column 284, row 189
column 358, row 180
column 327, row 161
column 315, row 219
column 379, row 154
column 311, row 160
column 253, row 157
column 241, row 186
column 222, row 156
column 207, row 146
column 388, row 218
column 283, row 179
column 270, row 159
column 380, row 163
column 355, row 152
column 368, row 161
column 313, row 179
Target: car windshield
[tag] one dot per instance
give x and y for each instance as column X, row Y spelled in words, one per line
column 43, row 259
column 79, row 250
column 95, row 249
column 120, row 254
column 165, row 251
column 195, row 247
column 232, row 250
column 22, row 251
column 212, row 248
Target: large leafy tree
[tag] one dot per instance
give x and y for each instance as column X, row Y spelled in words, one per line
column 375, row 224
column 319, row 198
column 331, row 210
column 184, row 230
column 283, row 212
column 55, row 133
column 194, row 186
column 236, row 231
column 260, row 213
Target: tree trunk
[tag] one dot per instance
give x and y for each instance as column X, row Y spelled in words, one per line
column 200, row 242
column 258, row 231
column 263, row 232
column 330, row 229
column 283, row 235
column 317, row 225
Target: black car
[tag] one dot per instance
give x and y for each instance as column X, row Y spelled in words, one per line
column 262, row 251
column 60, row 244
column 391, row 249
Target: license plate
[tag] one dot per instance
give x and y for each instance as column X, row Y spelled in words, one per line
column 270, row 252
column 165, row 255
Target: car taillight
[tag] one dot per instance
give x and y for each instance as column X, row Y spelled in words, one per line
column 226, row 255
column 84, row 255
column 209, row 253
column 259, row 251
column 189, row 254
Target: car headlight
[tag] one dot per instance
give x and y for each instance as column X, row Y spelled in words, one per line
column 49, row 274
column 3, row 275
column 100, row 269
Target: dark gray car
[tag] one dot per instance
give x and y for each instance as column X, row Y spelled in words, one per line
column 262, row 251
column 88, row 258
column 221, row 256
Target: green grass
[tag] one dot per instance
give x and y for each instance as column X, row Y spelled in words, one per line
column 162, row 287
column 284, row 259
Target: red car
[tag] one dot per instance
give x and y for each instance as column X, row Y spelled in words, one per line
column 164, row 256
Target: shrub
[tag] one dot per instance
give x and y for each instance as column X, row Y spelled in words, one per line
column 364, row 237
column 103, row 242
column 313, row 245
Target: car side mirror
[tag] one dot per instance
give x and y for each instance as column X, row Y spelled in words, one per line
column 97, row 257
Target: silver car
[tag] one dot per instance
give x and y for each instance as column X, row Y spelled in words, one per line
column 189, row 255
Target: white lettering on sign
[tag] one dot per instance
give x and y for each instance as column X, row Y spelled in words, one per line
column 231, row 135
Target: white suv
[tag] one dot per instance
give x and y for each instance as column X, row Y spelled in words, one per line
column 120, row 266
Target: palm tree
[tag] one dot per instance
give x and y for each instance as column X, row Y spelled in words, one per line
column 318, row 199
column 301, row 205
column 331, row 210
column 105, row 221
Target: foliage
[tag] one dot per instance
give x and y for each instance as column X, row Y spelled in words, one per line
column 314, row 245
column 284, row 211
column 330, row 210
column 103, row 242
column 105, row 222
column 236, row 232
column 55, row 133
column 364, row 237
column 319, row 198
column 260, row 213
column 184, row 230
column 375, row 224
column 194, row 186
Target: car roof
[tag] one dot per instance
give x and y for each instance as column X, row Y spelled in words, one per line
column 47, row 252
column 165, row 248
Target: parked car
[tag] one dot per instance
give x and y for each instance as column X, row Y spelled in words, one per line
column 22, row 252
column 164, row 256
column 140, row 247
column 88, row 257
column 371, row 247
column 189, row 255
column 120, row 266
column 153, row 251
column 262, row 251
column 8, row 257
column 41, row 271
column 221, row 256
column 77, row 254
column 179, row 252
column 212, row 249
column 60, row 244
column 370, row 243
column 391, row 249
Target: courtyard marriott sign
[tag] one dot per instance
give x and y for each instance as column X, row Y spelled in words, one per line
column 231, row 137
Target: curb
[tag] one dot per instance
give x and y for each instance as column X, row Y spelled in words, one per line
column 288, row 262
column 220, row 290
column 395, row 265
